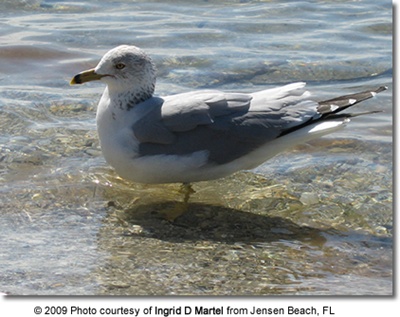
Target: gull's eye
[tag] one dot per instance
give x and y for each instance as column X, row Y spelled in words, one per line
column 120, row 66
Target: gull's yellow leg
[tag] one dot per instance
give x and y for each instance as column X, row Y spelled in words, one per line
column 180, row 208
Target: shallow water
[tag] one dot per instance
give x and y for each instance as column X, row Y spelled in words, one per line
column 313, row 221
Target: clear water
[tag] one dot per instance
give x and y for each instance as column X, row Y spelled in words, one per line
column 316, row 220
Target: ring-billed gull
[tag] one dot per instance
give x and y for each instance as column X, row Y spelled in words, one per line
column 200, row 135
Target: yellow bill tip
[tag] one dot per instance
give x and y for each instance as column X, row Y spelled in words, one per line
column 83, row 77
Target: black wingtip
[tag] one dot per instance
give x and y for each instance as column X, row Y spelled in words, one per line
column 380, row 89
column 336, row 105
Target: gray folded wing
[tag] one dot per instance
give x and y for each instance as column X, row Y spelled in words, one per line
column 226, row 125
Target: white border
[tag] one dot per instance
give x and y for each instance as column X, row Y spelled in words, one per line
column 353, row 306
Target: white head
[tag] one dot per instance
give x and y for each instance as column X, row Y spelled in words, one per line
column 125, row 69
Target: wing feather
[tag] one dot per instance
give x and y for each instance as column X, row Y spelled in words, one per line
column 221, row 123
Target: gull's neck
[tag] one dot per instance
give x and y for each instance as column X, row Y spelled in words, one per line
column 126, row 100
column 115, row 108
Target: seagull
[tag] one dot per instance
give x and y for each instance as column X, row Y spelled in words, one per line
column 201, row 135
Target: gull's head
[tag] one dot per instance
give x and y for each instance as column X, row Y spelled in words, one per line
column 124, row 69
